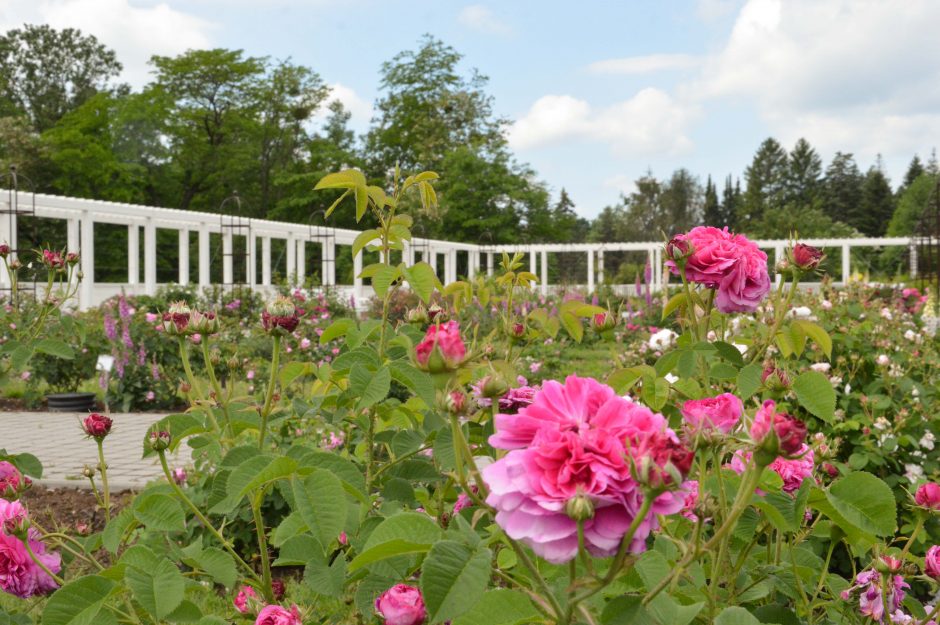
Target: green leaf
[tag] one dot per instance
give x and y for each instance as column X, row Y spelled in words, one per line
column 655, row 392
column 422, row 280
column 27, row 463
column 409, row 527
column 55, row 348
column 79, row 602
column 627, row 610
column 817, row 334
column 572, row 325
column 453, row 579
column 500, row 606
column 363, row 239
column 336, row 329
column 675, row 302
column 279, row 468
column 384, row 278
column 293, row 370
column 321, row 501
column 362, row 201
column 736, row 616
column 160, row 513
column 116, row 528
column 415, row 380
column 326, row 579
column 815, row 393
column 158, row 589
column 730, row 353
column 370, row 387
column 383, row 551
column 346, row 179
column 864, row 501
column 219, row 565
column 749, row 381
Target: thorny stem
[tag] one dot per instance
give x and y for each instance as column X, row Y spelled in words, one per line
column 29, row 550
column 262, row 547
column 105, row 490
column 216, row 387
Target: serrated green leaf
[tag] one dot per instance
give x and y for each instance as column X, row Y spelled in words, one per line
column 864, row 501
column 453, row 579
column 318, row 497
column 500, row 606
column 158, row 589
column 160, row 513
column 56, row 348
column 422, row 279
column 815, row 393
column 79, row 602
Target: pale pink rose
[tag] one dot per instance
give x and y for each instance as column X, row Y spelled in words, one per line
column 793, row 471
column 580, row 439
column 196, row 338
column 401, row 605
column 251, row 374
column 26, row 375
column 179, row 475
column 245, row 597
column 722, row 413
column 305, row 343
column 691, row 500
column 728, row 262
column 151, row 396
column 151, row 317
column 276, row 615
column 442, row 348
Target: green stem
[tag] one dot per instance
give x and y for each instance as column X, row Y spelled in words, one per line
column 58, row 580
column 269, row 393
column 918, row 526
column 105, row 489
column 202, row 519
column 216, row 387
column 184, row 356
column 370, row 451
column 822, row 577
column 262, row 547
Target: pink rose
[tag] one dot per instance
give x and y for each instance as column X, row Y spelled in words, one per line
column 10, row 479
column 690, row 501
column 722, row 413
column 932, row 562
column 791, row 470
column 578, row 441
column 401, row 605
column 928, row 496
column 244, row 598
column 276, row 615
column 442, row 348
column 730, row 263
column 97, row 425
column 790, row 431
column 19, row 574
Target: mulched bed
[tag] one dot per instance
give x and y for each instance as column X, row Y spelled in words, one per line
column 73, row 510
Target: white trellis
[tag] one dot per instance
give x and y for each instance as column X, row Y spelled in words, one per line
column 81, row 216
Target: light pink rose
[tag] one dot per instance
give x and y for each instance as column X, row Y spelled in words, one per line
column 691, row 500
column 244, row 598
column 401, row 605
column 728, row 262
column 442, row 348
column 793, row 470
column 722, row 413
column 579, row 439
column 276, row 615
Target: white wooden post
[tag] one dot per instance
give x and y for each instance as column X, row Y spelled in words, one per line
column 533, row 268
column 205, row 277
column 133, row 254
column 473, row 263
column 252, row 245
column 87, row 252
column 913, row 257
column 452, row 257
column 291, row 260
column 489, row 263
column 150, row 257
column 357, row 279
column 8, row 236
column 301, row 260
column 778, row 256
column 408, row 254
column 184, row 257
column 600, row 267
column 544, row 285
column 228, row 274
column 846, row 263
column 72, row 240
column 590, row 268
column 266, row 261
column 432, row 258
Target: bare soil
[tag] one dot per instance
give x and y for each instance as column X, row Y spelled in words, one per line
column 72, row 510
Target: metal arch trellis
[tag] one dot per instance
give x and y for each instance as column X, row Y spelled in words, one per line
column 326, row 236
column 236, row 224
column 11, row 210
column 925, row 248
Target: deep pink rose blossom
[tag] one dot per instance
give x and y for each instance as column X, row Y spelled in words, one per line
column 244, row 598
column 97, row 425
column 932, row 562
column 19, row 575
column 442, row 348
column 11, row 479
column 728, row 262
column 276, row 615
column 721, row 413
column 401, row 605
column 928, row 496
column 792, row 470
column 790, row 431
column 580, row 439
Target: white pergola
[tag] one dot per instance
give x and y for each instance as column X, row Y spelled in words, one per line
column 81, row 216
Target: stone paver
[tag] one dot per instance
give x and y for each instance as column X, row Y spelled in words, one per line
column 56, row 438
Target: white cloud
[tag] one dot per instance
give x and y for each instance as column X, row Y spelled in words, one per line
column 360, row 110
column 649, row 123
column 481, row 19
column 644, row 64
column 135, row 33
column 851, row 75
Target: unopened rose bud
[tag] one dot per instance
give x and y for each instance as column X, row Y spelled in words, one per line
column 456, row 402
column 579, row 508
column 775, row 379
column 176, row 319
column 280, row 316
column 233, row 363
column 4, row 250
column 215, row 358
column 16, row 264
column 435, row 314
column 72, row 258
column 602, row 322
column 278, row 589
column 88, row 471
column 493, row 386
column 185, row 388
column 417, row 315
column 678, row 248
column 159, row 440
column 806, row 257
column 97, row 425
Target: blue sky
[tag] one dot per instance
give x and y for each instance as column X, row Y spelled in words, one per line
column 599, row 91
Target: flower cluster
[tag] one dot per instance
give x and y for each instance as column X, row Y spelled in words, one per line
column 581, row 441
column 730, row 263
column 871, row 602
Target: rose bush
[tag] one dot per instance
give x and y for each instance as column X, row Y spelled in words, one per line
column 721, row 473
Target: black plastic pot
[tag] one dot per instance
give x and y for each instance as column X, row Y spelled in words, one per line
column 71, row 402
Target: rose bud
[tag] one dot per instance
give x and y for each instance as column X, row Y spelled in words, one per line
column 52, row 260
column 88, row 471
column 456, row 402
column 417, row 315
column 176, row 319
column 791, row 433
column 678, row 248
column 97, row 425
column 4, row 250
column 830, row 469
column 277, row 587
column 442, row 349
column 580, row 508
column 72, row 258
column 246, row 600
column 602, row 322
column 16, row 264
column 806, row 257
column 179, row 475
column 280, row 316
column 516, row 331
column 493, row 386
column 928, row 496
column 932, row 562
column 435, row 314
column 401, row 605
column 775, row 379
column 775, row 432
column 204, row 323
column 159, row 441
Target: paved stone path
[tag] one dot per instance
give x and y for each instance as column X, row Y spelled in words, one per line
column 56, row 438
